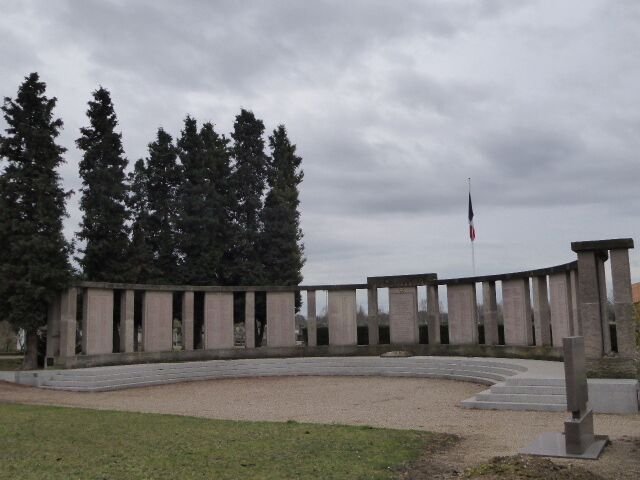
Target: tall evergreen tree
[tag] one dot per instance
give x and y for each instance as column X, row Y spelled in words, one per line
column 34, row 263
column 192, row 206
column 104, row 194
column 162, row 176
column 281, row 243
column 248, row 183
column 142, row 265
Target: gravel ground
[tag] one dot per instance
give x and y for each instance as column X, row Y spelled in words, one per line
column 405, row 403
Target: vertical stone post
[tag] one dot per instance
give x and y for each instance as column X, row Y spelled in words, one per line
column 463, row 314
column 312, row 323
column 187, row 321
column 575, row 306
column 372, row 315
column 342, row 317
column 218, row 320
column 403, row 315
column 433, row 314
column 604, row 310
column 281, row 323
column 541, row 311
column 516, row 308
column 561, row 307
column 126, row 321
column 250, row 320
column 490, row 310
column 53, row 328
column 623, row 302
column 157, row 321
column 68, row 312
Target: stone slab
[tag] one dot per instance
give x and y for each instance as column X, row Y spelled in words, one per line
column 463, row 314
column 157, row 321
column 516, row 310
column 126, row 320
column 623, row 302
column 218, row 320
column 561, row 307
column 53, row 328
column 68, row 327
column 97, row 321
column 342, row 317
column 541, row 311
column 250, row 320
column 490, row 311
column 403, row 315
column 433, row 315
column 281, row 328
column 553, row 444
column 312, row 323
column 590, row 311
column 372, row 316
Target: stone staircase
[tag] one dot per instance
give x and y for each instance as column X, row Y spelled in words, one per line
column 481, row 371
column 539, row 394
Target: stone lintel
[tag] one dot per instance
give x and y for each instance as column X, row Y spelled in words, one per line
column 609, row 244
column 402, row 280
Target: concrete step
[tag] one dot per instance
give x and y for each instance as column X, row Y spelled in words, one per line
column 488, row 405
column 501, row 388
column 521, row 398
column 535, row 382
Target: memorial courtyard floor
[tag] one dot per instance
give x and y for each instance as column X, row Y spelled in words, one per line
column 399, row 403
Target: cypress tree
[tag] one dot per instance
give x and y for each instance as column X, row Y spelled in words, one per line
column 281, row 245
column 162, row 177
column 104, row 194
column 34, row 263
column 142, row 268
column 192, row 206
column 248, row 182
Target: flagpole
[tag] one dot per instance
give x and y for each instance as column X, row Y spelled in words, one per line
column 473, row 252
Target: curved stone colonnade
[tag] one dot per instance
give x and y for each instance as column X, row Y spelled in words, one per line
column 539, row 308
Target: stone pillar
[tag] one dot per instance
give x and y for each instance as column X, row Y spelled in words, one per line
column 463, row 314
column 541, row 311
column 342, row 317
column 372, row 316
column 187, row 321
column 281, row 324
column 490, row 310
column 53, row 328
column 312, row 325
column 157, row 321
column 97, row 321
column 218, row 320
column 68, row 312
column 604, row 311
column 575, row 315
column 623, row 302
column 433, row 314
column 516, row 309
column 250, row 320
column 561, row 307
column 590, row 313
column 126, row 321
column 403, row 315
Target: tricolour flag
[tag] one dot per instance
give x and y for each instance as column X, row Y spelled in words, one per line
column 472, row 230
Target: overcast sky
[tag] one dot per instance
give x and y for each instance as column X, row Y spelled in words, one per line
column 392, row 106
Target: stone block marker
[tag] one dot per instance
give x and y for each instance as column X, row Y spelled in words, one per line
column 342, row 317
column 578, row 440
column 403, row 315
column 281, row 319
column 541, row 311
column 250, row 320
column 575, row 315
column 516, row 310
column 490, row 310
column 623, row 302
column 157, row 323
column 312, row 323
column 97, row 321
column 433, row 314
column 463, row 314
column 126, row 321
column 218, row 320
column 372, row 316
column 561, row 306
column 68, row 312
column 187, row 321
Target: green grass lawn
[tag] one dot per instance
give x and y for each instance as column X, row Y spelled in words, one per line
column 68, row 443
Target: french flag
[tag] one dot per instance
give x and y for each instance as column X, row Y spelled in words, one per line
column 472, row 230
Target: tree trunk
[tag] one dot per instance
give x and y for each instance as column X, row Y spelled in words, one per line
column 30, row 361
